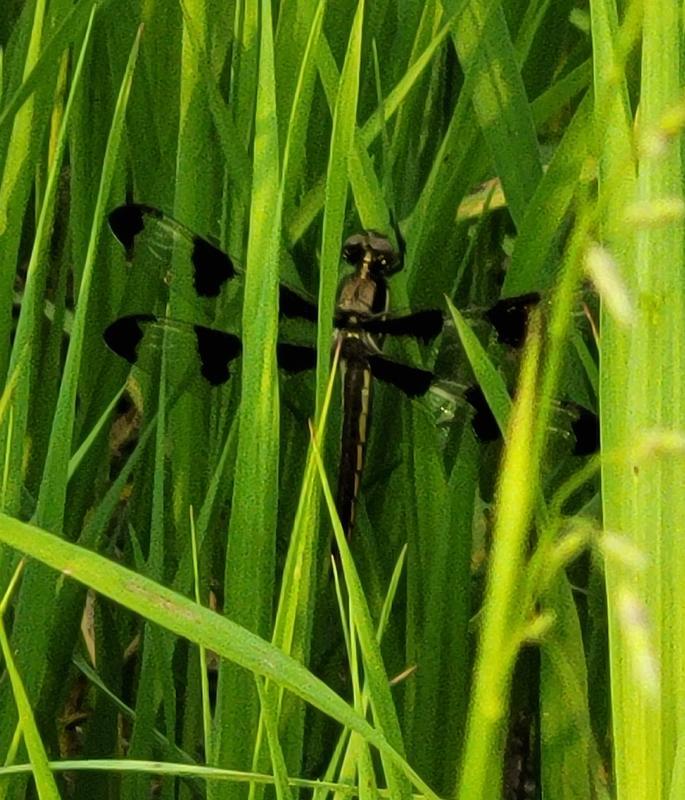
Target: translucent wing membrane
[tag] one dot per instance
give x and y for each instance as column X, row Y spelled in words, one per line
column 201, row 268
column 454, row 390
column 448, row 402
column 141, row 338
column 207, row 353
column 210, row 266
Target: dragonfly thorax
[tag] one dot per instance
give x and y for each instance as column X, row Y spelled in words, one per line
column 362, row 296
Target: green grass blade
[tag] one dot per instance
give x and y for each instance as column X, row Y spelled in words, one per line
column 294, row 151
column 252, row 531
column 18, row 164
column 67, row 33
column 485, row 48
column 643, row 492
column 502, row 614
column 170, row 769
column 567, row 744
column 486, row 374
column 77, row 459
column 51, row 501
column 294, row 611
column 45, row 781
column 374, row 670
column 28, row 326
column 182, row 617
column 337, row 180
column 35, row 613
column 206, row 707
column 533, row 262
column 316, row 198
column 269, row 711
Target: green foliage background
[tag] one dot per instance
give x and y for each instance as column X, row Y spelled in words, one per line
column 528, row 600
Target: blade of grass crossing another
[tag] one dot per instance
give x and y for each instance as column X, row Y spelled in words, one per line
column 51, row 500
column 482, row 40
column 377, row 681
column 316, row 198
column 42, row 775
column 299, row 569
column 292, row 627
column 532, row 266
column 69, row 31
column 351, row 744
column 485, row 372
column 27, row 335
column 295, row 134
column 293, row 624
column 183, row 617
column 269, row 713
column 156, row 645
column 17, row 172
column 35, row 619
column 206, row 706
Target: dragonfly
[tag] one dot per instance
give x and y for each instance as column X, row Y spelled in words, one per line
column 362, row 322
column 582, row 422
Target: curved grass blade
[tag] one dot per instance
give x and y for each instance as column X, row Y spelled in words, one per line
column 483, row 42
column 35, row 611
column 51, row 499
column 377, row 680
column 195, row 623
column 67, row 33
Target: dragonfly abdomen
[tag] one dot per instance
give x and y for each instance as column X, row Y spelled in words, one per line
column 356, row 410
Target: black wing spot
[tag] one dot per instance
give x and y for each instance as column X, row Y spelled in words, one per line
column 585, row 427
column 295, row 357
column 413, row 381
column 127, row 221
column 216, row 349
column 124, row 334
column 424, row 325
column 291, row 304
column 353, row 249
column 509, row 318
column 483, row 423
column 211, row 268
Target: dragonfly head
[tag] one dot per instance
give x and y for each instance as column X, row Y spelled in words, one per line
column 374, row 250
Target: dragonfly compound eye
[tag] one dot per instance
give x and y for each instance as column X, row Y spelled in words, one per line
column 354, row 248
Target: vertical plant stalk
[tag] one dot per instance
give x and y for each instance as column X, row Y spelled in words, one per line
column 642, row 390
column 503, row 615
column 250, row 561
